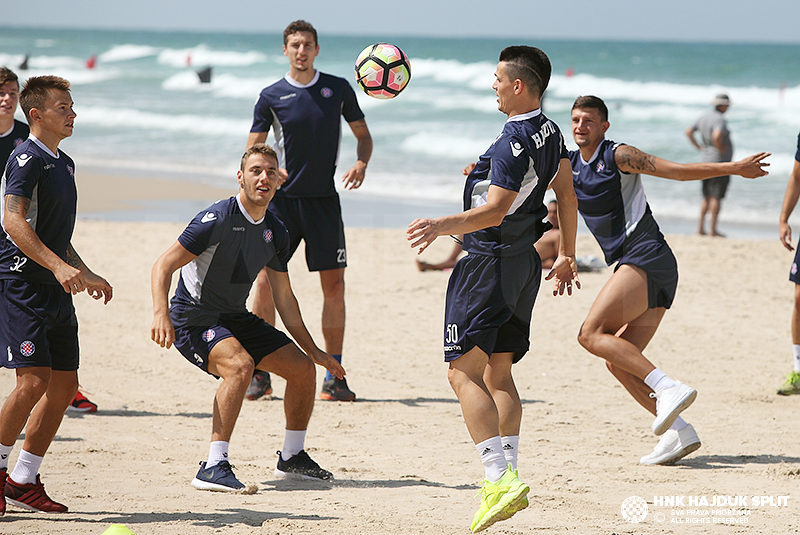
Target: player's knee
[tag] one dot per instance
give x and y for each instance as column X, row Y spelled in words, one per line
column 33, row 387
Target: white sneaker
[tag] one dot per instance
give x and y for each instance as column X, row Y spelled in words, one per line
column 670, row 402
column 673, row 446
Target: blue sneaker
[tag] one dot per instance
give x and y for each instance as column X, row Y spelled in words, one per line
column 219, row 477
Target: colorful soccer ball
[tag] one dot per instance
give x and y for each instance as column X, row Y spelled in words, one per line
column 382, row 70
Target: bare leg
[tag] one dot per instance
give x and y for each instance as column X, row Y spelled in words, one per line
column 622, row 300
column 701, row 229
column 477, row 405
column 298, row 370
column 795, row 317
column 714, row 206
column 500, row 383
column 31, row 386
column 333, row 310
column 263, row 306
column 234, row 365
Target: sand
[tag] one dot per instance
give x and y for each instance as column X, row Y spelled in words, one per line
column 401, row 455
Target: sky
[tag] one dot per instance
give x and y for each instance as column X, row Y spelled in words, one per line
column 732, row 21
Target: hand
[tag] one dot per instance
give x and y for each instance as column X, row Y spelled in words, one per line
column 753, row 166
column 70, row 278
column 98, row 287
column 565, row 271
column 786, row 235
column 283, row 176
column 422, row 232
column 468, row 169
column 355, row 176
column 162, row 331
column 328, row 362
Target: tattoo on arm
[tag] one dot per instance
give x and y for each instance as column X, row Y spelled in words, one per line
column 632, row 159
column 73, row 259
column 18, row 205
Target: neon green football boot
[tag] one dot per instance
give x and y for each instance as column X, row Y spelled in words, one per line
column 500, row 501
column 791, row 386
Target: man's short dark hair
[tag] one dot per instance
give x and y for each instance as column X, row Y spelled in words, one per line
column 592, row 102
column 7, row 75
column 529, row 64
column 299, row 26
column 34, row 92
column 258, row 148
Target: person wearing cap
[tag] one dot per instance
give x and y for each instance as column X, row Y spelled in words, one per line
column 716, row 147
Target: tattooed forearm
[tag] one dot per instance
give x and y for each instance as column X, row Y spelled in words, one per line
column 73, row 259
column 17, row 205
column 632, row 159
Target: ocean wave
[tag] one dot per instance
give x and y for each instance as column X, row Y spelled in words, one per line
column 123, row 118
column 127, row 52
column 201, row 55
column 221, row 85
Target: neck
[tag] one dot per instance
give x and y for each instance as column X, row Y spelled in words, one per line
column 6, row 122
column 302, row 77
column 588, row 150
column 50, row 141
column 523, row 106
column 254, row 211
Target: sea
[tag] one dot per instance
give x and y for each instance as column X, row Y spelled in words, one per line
column 143, row 111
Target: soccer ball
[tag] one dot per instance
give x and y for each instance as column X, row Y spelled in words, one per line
column 382, row 70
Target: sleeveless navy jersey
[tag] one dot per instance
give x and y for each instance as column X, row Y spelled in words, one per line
column 13, row 139
column 611, row 202
column 231, row 249
column 524, row 158
column 48, row 180
column 307, row 129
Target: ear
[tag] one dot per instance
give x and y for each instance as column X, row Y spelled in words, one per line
column 519, row 86
column 284, row 51
column 606, row 126
column 34, row 114
column 240, row 178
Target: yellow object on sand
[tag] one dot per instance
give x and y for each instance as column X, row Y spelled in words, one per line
column 118, row 529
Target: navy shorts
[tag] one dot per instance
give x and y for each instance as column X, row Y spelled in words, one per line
column 716, row 187
column 647, row 250
column 318, row 221
column 38, row 326
column 489, row 304
column 793, row 276
column 195, row 342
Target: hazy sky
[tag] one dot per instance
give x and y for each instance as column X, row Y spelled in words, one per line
column 674, row 20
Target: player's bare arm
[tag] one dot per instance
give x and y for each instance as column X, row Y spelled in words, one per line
column 353, row 178
column 789, row 203
column 632, row 160
column 287, row 306
column 19, row 230
column 255, row 137
column 96, row 286
column 162, row 331
column 422, row 232
column 565, row 268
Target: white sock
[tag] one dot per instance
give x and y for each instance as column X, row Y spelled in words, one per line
column 27, row 468
column 796, row 351
column 217, row 452
column 5, row 452
column 657, row 381
column 511, row 449
column 493, row 459
column 679, row 424
column 293, row 443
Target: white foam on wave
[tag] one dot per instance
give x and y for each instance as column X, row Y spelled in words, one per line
column 459, row 148
column 122, row 118
column 127, row 52
column 221, row 85
column 479, row 75
column 201, row 55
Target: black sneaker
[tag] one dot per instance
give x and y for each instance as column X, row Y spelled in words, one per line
column 301, row 466
column 219, row 477
column 260, row 385
column 336, row 390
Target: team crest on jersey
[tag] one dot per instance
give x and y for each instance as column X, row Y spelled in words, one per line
column 18, row 141
column 794, row 268
column 71, row 171
column 209, row 335
column 600, row 166
column 27, row 348
column 326, row 92
column 268, row 235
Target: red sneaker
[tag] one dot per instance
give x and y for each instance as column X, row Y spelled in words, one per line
column 82, row 404
column 3, row 475
column 31, row 497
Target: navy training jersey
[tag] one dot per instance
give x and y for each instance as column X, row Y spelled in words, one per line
column 611, row 202
column 12, row 139
column 524, row 158
column 307, row 128
column 797, row 154
column 48, row 180
column 231, row 249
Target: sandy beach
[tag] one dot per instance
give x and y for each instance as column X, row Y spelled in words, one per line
column 401, row 456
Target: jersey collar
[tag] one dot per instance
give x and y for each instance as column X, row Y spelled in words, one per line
column 594, row 156
column 295, row 83
column 43, row 146
column 524, row 116
column 247, row 215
